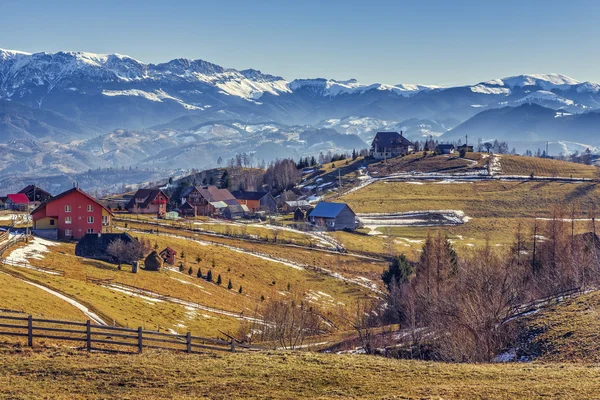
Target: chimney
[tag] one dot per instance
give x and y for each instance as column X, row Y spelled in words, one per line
column 400, row 133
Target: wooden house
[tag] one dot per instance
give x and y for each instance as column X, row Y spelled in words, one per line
column 210, row 201
column 256, row 201
column 36, row 194
column 389, row 145
column 168, row 255
column 333, row 216
column 95, row 245
column 291, row 206
column 443, row 148
column 148, row 201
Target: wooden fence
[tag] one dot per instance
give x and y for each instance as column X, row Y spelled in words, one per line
column 110, row 338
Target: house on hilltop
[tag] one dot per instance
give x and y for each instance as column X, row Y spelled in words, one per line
column 168, row 255
column 70, row 215
column 333, row 216
column 445, row 148
column 148, row 201
column 389, row 145
column 256, row 201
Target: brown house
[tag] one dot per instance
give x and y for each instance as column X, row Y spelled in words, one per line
column 36, row 194
column 168, row 255
column 256, row 201
column 209, row 201
column 148, row 201
column 390, row 144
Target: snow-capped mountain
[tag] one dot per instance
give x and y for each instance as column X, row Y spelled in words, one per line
column 109, row 91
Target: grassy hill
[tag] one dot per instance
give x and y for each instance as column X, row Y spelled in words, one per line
column 69, row 374
column 519, row 165
column 565, row 332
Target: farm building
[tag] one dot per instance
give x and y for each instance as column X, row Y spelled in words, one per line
column 390, row 144
column 256, row 201
column 168, row 255
column 35, row 194
column 333, row 216
column 291, row 206
column 445, row 148
column 148, row 201
column 210, row 201
column 466, row 148
column 70, row 215
column 17, row 202
column 95, row 245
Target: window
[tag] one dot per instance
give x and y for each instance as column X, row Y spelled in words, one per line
column 105, row 220
column 91, row 230
column 51, row 222
column 90, row 208
column 67, row 208
column 90, row 220
column 67, row 220
column 68, row 232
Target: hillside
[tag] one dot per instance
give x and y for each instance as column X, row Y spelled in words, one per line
column 63, row 374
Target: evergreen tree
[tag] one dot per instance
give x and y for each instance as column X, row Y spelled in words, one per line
column 198, row 259
column 398, row 272
column 180, row 266
column 229, row 285
column 209, row 275
column 190, row 271
column 240, row 290
column 219, row 280
column 199, row 274
column 225, row 180
column 313, row 161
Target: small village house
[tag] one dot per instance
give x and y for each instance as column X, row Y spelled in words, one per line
column 17, row 202
column 256, row 201
column 35, row 194
column 148, row 201
column 95, row 245
column 209, row 201
column 443, row 148
column 333, row 216
column 465, row 148
column 389, row 145
column 70, row 215
column 291, row 206
column 168, row 255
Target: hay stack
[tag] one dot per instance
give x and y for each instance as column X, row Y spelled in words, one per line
column 153, row 262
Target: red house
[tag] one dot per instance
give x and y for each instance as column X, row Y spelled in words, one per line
column 70, row 215
column 17, row 202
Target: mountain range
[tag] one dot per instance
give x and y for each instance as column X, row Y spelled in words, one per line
column 69, row 110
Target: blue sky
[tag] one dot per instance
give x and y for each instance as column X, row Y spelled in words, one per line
column 430, row 42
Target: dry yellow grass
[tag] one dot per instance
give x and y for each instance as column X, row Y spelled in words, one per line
column 65, row 375
column 20, row 296
column 519, row 165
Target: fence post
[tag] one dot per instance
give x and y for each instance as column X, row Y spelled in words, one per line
column 140, row 343
column 232, row 345
column 188, row 340
column 30, row 331
column 88, row 335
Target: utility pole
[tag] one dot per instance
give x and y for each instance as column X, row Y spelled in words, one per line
column 547, row 155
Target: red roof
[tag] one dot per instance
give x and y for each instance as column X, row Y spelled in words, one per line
column 19, row 198
column 63, row 194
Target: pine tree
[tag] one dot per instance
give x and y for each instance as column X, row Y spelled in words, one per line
column 240, row 290
column 219, row 280
column 199, row 274
column 209, row 275
column 398, row 272
column 180, row 266
column 229, row 285
column 198, row 259
column 190, row 271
